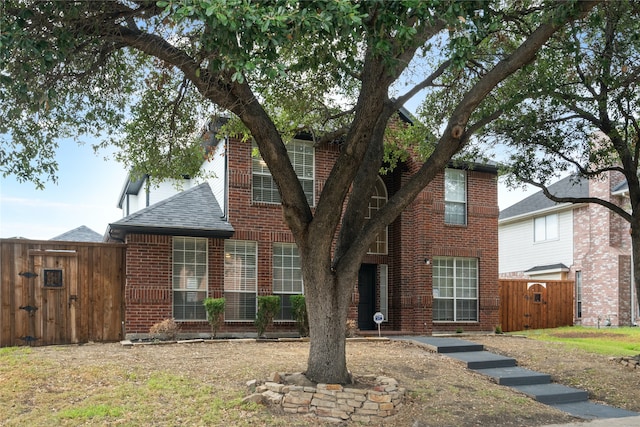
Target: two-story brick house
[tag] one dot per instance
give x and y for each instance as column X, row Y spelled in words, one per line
column 434, row 269
column 587, row 243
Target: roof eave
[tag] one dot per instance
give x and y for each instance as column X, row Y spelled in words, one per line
column 122, row 230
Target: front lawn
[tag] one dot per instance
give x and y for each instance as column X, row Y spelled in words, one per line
column 623, row 341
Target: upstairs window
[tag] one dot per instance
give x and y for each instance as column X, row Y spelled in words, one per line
column 545, row 228
column 302, row 157
column 455, row 197
column 377, row 201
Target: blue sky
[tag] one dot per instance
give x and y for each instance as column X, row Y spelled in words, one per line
column 86, row 194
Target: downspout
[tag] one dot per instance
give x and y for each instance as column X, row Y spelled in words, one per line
column 225, row 212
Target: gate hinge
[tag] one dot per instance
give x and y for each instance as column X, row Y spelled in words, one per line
column 28, row 338
column 27, row 274
column 28, row 308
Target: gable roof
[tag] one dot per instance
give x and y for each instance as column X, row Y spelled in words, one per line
column 570, row 186
column 80, row 234
column 193, row 212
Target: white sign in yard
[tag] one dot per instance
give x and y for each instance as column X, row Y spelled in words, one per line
column 378, row 318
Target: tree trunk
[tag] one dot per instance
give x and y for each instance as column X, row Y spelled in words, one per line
column 327, row 297
column 635, row 266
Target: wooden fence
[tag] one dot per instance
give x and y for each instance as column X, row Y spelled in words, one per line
column 54, row 292
column 535, row 304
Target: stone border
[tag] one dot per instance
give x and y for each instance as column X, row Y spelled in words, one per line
column 331, row 402
column 632, row 362
column 133, row 343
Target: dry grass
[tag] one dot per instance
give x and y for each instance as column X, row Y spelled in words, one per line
column 203, row 383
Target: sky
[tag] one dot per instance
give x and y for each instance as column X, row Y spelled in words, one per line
column 87, row 194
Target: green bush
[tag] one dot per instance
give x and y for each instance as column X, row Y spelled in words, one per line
column 268, row 307
column 215, row 310
column 299, row 312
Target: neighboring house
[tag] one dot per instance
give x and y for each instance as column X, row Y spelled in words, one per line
column 434, row 269
column 587, row 243
column 80, row 234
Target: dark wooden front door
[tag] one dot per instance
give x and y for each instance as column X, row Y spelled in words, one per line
column 367, row 302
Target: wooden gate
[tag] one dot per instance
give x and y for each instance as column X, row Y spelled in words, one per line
column 535, row 304
column 60, row 292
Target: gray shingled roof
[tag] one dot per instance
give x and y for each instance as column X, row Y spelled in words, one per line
column 193, row 212
column 570, row 186
column 537, row 268
column 80, row 234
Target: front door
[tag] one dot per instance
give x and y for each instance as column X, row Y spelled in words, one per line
column 367, row 291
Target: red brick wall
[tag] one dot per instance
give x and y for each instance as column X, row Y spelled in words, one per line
column 148, row 293
column 149, row 296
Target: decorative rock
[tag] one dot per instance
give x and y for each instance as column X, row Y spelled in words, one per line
column 331, row 402
column 298, row 380
column 274, row 378
column 255, row 398
column 272, row 397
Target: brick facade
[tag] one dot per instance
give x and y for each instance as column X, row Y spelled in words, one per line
column 602, row 247
column 419, row 234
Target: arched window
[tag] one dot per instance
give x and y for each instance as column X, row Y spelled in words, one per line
column 377, row 201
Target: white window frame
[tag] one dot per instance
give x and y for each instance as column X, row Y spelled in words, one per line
column 383, row 274
column 240, row 279
column 546, row 228
column 189, row 279
column 378, row 199
column 455, row 197
column 264, row 189
column 455, row 282
column 578, row 285
column 287, row 277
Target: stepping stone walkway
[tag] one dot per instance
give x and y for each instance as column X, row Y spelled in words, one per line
column 504, row 371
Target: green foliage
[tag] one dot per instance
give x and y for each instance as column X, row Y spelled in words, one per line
column 215, row 311
column 91, row 412
column 583, row 85
column 300, row 315
column 268, row 308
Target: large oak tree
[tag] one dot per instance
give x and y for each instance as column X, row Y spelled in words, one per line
column 140, row 74
column 578, row 112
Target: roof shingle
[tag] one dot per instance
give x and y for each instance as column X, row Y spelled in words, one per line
column 570, row 186
column 193, row 212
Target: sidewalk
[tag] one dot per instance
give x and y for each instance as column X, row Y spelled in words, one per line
column 603, row 422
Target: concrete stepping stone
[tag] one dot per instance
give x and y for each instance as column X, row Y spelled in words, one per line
column 553, row 393
column 514, row 375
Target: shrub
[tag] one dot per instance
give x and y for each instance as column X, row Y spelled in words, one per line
column 300, row 315
column 351, row 328
column 268, row 307
column 215, row 310
column 167, row 329
column 498, row 329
